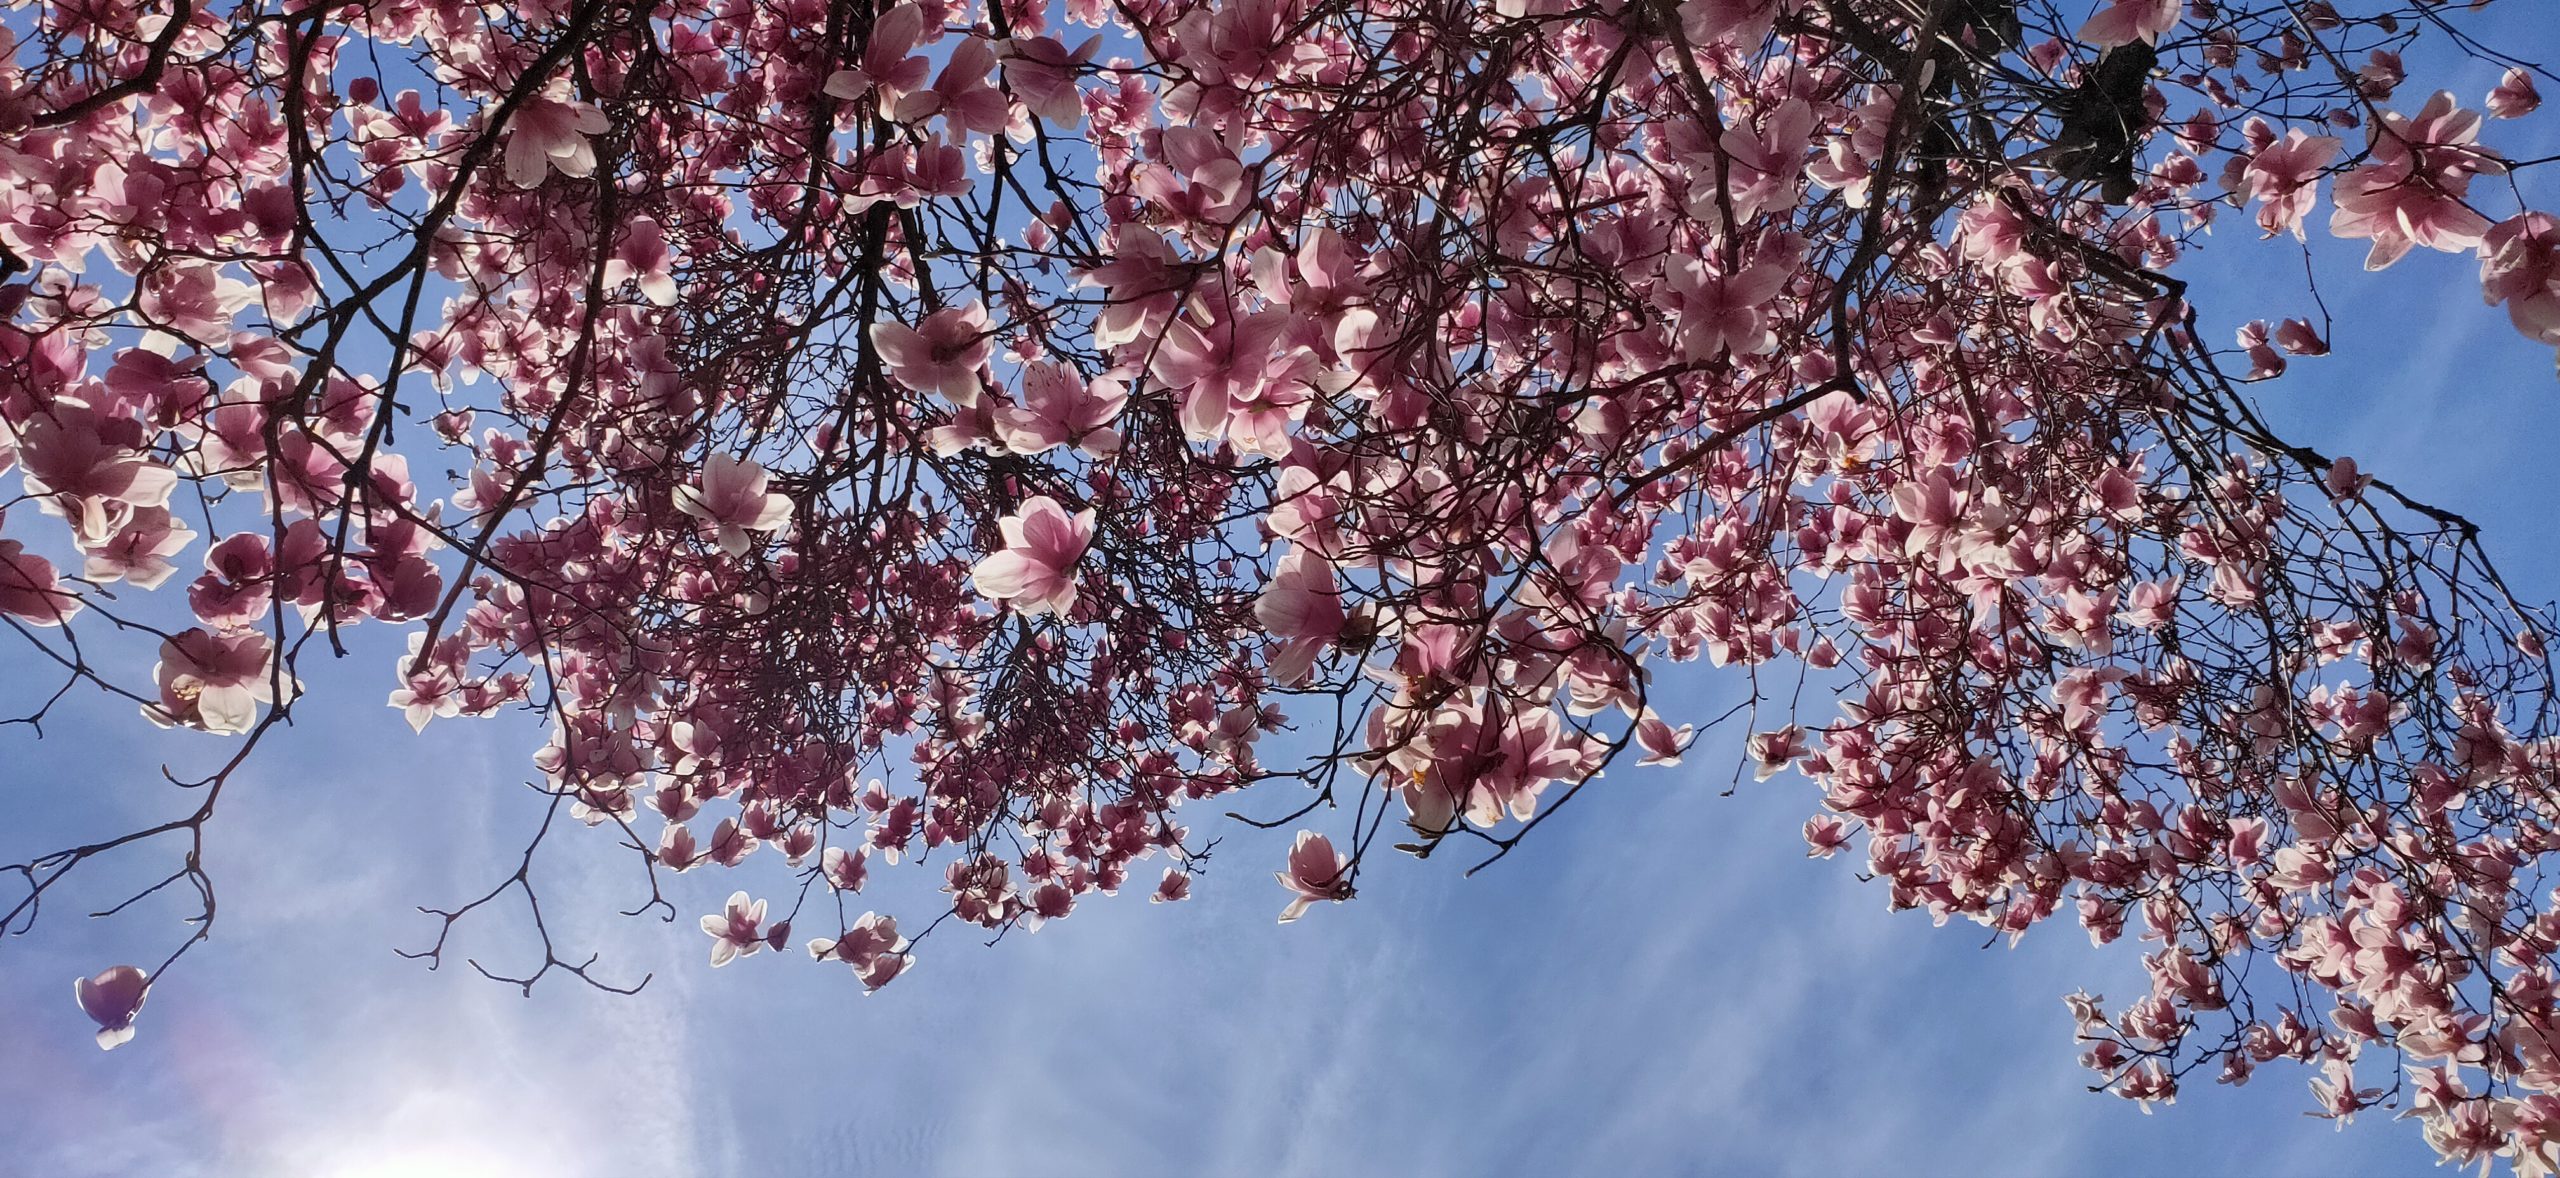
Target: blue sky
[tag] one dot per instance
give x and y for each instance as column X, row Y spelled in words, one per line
column 1714, row 1003
column 1697, row 999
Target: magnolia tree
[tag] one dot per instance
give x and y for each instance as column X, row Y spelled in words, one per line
column 972, row 436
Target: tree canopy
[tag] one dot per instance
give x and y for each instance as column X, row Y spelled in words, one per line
column 1004, row 438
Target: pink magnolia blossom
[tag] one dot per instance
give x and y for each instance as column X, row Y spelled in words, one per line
column 2515, row 95
column 31, row 589
column 2084, row 694
column 941, row 354
column 1825, row 836
column 872, row 946
column 643, row 256
column 427, row 694
column 139, row 551
column 2265, row 363
column 241, row 577
column 2520, row 268
column 1042, row 72
column 1744, row 22
column 1662, row 743
column 978, row 426
column 1773, row 751
column 2300, row 338
column 1139, row 281
column 2381, row 74
column 90, row 469
column 2283, row 178
column 732, row 500
column 1531, row 750
column 1324, row 285
column 1060, row 408
column 1720, row 312
column 197, row 301
column 551, row 132
column 214, row 682
column 2123, row 22
column 1302, row 606
column 1225, row 372
column 961, row 94
column 677, row 849
column 737, row 930
column 1761, row 169
column 889, row 61
column 1036, row 570
column 1847, row 163
column 884, row 968
column 846, row 868
column 1194, row 176
column 2413, row 193
column 111, row 999
column 1316, row 872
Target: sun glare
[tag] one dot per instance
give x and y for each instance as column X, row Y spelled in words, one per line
column 427, row 1161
